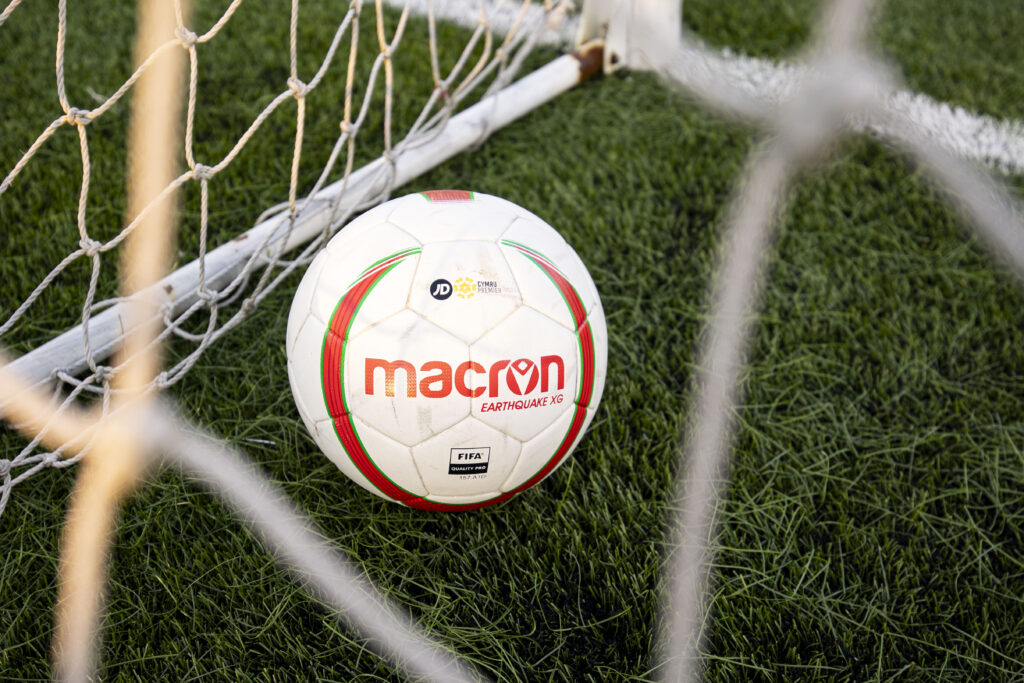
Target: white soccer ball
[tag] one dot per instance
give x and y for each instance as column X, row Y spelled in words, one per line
column 447, row 350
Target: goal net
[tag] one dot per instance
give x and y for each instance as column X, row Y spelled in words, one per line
column 287, row 133
column 362, row 108
column 295, row 118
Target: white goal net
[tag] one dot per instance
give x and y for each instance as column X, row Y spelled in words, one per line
column 366, row 96
column 388, row 127
column 377, row 144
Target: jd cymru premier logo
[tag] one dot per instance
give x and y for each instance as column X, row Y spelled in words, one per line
column 464, row 287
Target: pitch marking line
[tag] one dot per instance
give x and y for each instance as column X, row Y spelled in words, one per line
column 998, row 144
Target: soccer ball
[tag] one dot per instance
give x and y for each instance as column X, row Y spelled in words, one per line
column 447, row 350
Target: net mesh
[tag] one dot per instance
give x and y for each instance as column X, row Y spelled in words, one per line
column 842, row 88
column 218, row 290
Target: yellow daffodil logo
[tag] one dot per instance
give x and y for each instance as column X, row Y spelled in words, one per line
column 465, row 288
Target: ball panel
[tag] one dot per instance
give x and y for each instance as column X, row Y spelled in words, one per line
column 599, row 331
column 387, row 296
column 546, row 452
column 531, row 373
column 465, row 288
column 350, row 257
column 303, row 295
column 304, row 370
column 538, row 291
column 540, row 237
column 364, row 229
column 327, row 439
column 543, row 240
column 399, row 378
column 538, row 451
column 469, row 458
column 482, row 218
column 393, row 460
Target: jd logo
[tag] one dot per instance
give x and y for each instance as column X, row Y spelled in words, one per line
column 440, row 289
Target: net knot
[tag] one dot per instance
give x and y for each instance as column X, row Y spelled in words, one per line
column 103, row 373
column 90, row 246
column 187, row 37
column 5, row 467
column 347, row 128
column 202, row 172
column 77, row 117
column 298, row 88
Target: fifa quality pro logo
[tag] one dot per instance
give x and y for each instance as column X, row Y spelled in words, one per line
column 469, row 460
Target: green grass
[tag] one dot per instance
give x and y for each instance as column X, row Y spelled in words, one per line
column 873, row 526
column 968, row 54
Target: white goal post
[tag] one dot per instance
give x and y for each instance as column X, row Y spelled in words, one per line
column 320, row 213
column 274, row 237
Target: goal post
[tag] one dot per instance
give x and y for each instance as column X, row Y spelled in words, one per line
column 621, row 27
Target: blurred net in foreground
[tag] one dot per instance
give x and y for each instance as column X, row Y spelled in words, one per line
column 843, row 88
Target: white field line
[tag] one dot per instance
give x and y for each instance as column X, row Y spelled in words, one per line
column 998, row 144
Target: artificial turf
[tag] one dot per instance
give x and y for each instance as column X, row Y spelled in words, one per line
column 873, row 525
